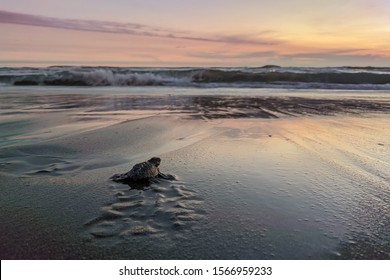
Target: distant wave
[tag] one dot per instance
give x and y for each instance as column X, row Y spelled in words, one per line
column 267, row 76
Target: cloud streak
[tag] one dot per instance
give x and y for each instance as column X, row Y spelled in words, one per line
column 134, row 29
column 243, row 55
column 335, row 58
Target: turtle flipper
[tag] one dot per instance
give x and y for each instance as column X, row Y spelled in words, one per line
column 121, row 178
column 166, row 176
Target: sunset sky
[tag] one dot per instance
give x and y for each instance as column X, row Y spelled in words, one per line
column 195, row 32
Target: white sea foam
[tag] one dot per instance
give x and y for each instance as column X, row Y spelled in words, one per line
column 108, row 77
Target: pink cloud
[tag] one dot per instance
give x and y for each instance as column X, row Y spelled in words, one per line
column 127, row 28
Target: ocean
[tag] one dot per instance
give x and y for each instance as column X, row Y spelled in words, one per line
column 261, row 77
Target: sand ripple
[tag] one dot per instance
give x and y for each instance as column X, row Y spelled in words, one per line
column 164, row 208
column 33, row 160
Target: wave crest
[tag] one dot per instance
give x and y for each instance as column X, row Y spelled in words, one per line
column 332, row 78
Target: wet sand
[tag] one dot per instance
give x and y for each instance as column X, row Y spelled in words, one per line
column 258, row 177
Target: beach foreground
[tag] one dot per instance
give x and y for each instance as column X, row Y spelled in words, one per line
column 294, row 176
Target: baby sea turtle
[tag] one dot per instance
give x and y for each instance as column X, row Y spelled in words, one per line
column 143, row 171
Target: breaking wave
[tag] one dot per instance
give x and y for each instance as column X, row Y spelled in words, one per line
column 94, row 77
column 267, row 76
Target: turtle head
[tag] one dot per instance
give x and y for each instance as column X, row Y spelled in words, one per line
column 155, row 161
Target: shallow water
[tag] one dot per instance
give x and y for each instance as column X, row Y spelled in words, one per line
column 308, row 186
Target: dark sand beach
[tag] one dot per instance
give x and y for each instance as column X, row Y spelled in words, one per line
column 261, row 174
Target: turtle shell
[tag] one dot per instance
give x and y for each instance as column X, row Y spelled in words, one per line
column 143, row 170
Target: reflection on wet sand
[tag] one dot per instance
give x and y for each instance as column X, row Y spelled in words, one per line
column 363, row 247
column 210, row 107
column 263, row 177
